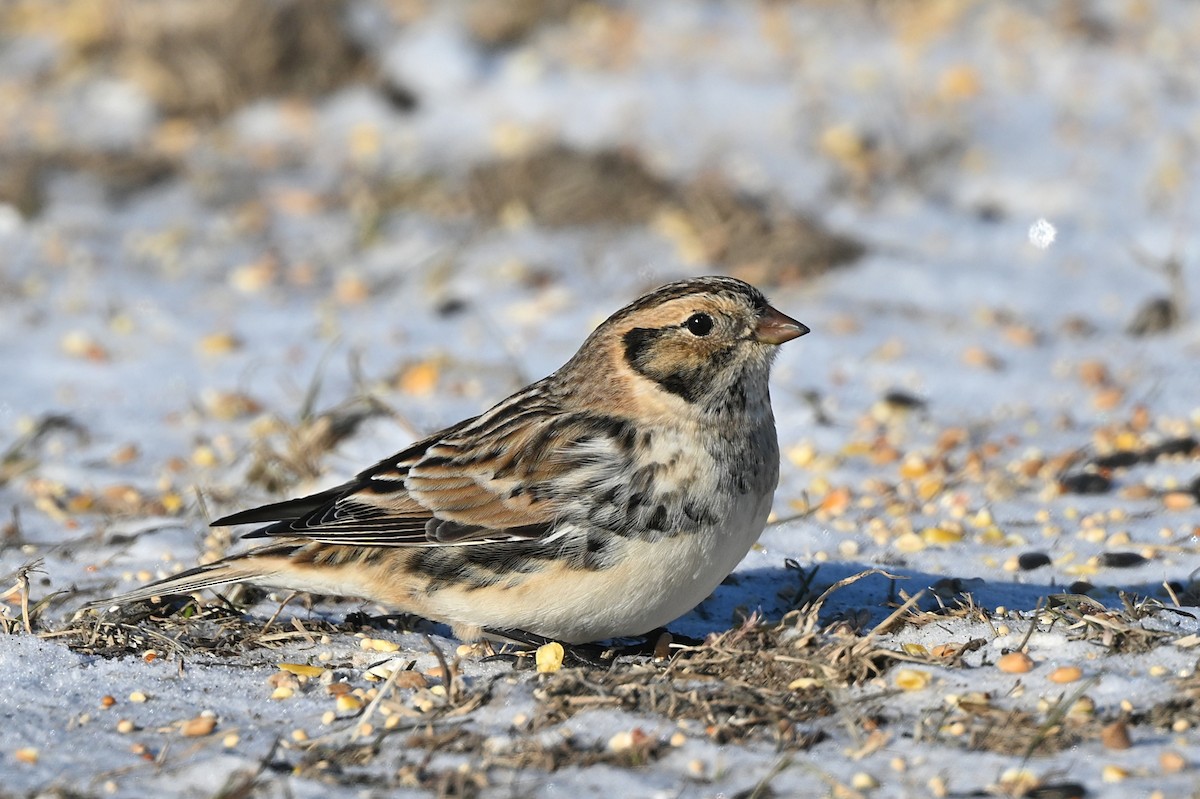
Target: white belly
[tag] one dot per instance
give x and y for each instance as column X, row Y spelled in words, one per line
column 651, row 585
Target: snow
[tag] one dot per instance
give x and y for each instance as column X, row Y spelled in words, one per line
column 266, row 235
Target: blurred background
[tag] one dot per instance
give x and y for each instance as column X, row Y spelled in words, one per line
column 233, row 232
column 247, row 248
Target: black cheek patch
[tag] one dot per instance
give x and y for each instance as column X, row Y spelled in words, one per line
column 685, row 383
column 638, row 341
column 639, row 346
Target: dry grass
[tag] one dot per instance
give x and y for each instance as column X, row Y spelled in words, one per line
column 756, row 239
column 201, row 59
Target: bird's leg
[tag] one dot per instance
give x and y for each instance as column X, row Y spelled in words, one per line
column 657, row 643
column 573, row 654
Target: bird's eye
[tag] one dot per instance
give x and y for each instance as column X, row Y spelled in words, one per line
column 699, row 324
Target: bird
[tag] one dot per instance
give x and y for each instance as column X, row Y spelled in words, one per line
column 601, row 502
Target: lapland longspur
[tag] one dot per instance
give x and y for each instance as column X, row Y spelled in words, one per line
column 605, row 500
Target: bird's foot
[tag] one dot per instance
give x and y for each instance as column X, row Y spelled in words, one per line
column 592, row 655
column 658, row 644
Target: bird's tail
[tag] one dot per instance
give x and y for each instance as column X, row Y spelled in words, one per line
column 239, row 568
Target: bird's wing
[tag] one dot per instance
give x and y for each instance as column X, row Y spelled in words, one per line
column 502, row 476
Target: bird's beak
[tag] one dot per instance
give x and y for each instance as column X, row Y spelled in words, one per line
column 775, row 327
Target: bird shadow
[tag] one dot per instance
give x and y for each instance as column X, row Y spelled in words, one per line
column 773, row 591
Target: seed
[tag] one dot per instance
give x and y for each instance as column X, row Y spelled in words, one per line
column 628, row 739
column 1172, row 762
column 1015, row 663
column 1178, row 500
column 862, row 781
column 549, row 657
column 912, row 679
column 201, row 725
column 1083, row 706
column 1064, row 674
column 348, row 703
column 1116, row 736
column 1113, row 773
column 302, row 670
column 941, row 536
column 411, row 679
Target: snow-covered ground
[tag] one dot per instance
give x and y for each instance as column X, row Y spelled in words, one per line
column 178, row 345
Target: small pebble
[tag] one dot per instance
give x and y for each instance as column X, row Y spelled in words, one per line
column 1085, row 483
column 1120, row 560
column 1033, row 560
